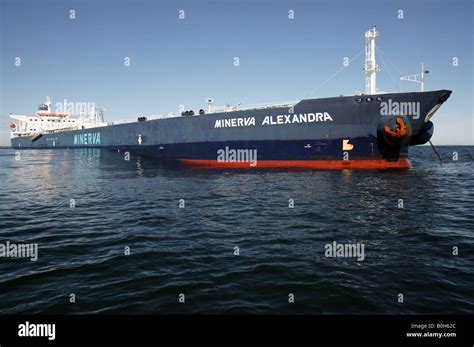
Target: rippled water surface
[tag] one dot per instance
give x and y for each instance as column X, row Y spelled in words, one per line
column 191, row 250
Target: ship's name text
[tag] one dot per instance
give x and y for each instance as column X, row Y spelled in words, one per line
column 87, row 139
column 274, row 120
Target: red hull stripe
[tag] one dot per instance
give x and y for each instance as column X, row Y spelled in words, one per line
column 310, row 164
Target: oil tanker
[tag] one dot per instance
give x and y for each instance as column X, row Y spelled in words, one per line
column 368, row 130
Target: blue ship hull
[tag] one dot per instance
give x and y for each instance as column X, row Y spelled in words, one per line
column 337, row 132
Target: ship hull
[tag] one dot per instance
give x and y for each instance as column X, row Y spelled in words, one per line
column 331, row 133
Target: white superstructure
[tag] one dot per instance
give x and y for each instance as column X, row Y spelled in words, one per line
column 46, row 121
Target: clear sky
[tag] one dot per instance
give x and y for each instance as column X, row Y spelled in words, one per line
column 177, row 61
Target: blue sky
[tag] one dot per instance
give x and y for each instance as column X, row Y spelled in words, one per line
column 183, row 61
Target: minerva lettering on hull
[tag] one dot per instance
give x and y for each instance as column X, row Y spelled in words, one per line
column 275, row 120
column 87, row 139
column 234, row 122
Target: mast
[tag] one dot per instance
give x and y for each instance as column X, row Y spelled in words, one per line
column 423, row 71
column 48, row 103
column 209, row 104
column 371, row 67
column 414, row 78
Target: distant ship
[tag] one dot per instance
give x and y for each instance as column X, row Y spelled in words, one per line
column 370, row 130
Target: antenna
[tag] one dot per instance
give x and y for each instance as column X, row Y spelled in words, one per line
column 414, row 78
column 371, row 67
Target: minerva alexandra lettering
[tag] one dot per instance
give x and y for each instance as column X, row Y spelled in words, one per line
column 274, row 120
column 87, row 139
